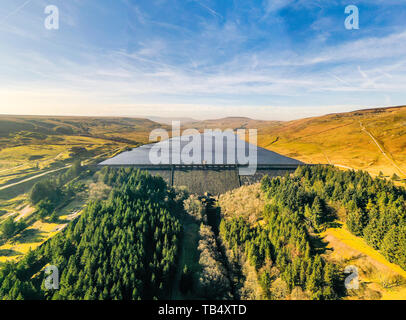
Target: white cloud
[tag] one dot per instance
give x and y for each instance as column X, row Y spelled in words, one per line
column 272, row 6
column 193, row 71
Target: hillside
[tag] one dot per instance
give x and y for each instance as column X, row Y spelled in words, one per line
column 44, row 148
column 344, row 218
column 31, row 145
column 168, row 120
column 110, row 244
column 35, row 148
column 233, row 123
column 372, row 140
column 117, row 128
column 282, row 239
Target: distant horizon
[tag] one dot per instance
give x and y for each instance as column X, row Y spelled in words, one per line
column 266, row 59
column 149, row 117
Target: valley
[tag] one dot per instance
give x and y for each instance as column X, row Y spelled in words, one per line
column 373, row 140
column 210, row 262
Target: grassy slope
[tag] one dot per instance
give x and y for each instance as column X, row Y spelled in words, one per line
column 232, row 123
column 37, row 232
column 29, row 144
column 335, row 138
column 94, row 126
column 343, row 248
column 374, row 269
column 24, row 137
column 339, row 139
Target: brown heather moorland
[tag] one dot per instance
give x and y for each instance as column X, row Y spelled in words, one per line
column 373, row 140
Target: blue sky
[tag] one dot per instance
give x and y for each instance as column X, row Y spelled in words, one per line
column 265, row 59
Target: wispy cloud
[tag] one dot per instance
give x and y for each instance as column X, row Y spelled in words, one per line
column 165, row 62
column 213, row 12
column 13, row 12
column 273, row 6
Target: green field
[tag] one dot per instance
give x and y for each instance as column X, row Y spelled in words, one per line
column 34, row 148
column 343, row 139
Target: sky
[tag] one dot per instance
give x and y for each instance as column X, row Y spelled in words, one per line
column 263, row 59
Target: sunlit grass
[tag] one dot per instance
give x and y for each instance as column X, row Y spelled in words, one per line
column 374, row 269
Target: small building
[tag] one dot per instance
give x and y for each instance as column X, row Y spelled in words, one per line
column 207, row 162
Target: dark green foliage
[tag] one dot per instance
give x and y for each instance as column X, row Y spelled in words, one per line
column 393, row 245
column 10, row 227
column 374, row 233
column 282, row 243
column 122, row 248
column 376, row 208
column 186, row 281
column 45, row 190
column 302, row 204
column 45, row 208
column 126, row 247
column 48, row 194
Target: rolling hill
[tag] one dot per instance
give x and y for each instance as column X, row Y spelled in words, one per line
column 32, row 146
column 372, row 140
column 98, row 127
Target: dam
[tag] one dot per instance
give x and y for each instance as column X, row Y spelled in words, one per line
column 206, row 162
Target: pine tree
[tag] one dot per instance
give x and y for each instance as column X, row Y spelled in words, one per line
column 390, row 244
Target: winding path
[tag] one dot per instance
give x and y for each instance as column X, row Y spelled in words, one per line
column 381, row 149
column 33, row 177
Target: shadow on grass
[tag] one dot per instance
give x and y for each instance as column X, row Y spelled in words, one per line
column 29, row 236
column 334, row 224
column 354, row 258
column 25, row 171
column 59, row 220
column 188, row 256
column 319, row 245
column 9, row 253
column 318, row 242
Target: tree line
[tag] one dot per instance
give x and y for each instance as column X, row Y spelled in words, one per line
column 121, row 248
column 282, row 249
column 49, row 193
